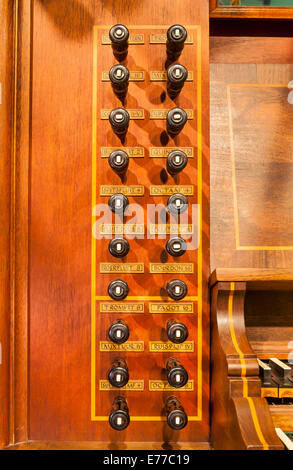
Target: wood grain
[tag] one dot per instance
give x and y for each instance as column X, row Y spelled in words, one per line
column 51, row 223
column 6, row 73
column 249, row 12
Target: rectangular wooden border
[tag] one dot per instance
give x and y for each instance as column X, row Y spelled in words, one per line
column 249, row 12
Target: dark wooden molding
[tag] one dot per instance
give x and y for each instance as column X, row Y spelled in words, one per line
column 240, row 417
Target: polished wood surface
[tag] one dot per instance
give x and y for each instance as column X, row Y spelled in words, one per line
column 83, row 445
column 50, row 316
column 6, row 100
column 250, row 173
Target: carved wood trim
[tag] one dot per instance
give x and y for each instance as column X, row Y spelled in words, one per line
column 240, row 417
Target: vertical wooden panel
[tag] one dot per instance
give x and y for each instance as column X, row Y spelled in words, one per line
column 6, row 68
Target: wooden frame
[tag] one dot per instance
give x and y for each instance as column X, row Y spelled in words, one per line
column 249, row 12
column 240, row 416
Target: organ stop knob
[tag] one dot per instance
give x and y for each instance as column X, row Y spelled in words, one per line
column 176, row 289
column 176, row 374
column 176, row 120
column 176, row 76
column 176, row 246
column 118, row 375
column 119, row 119
column 177, row 203
column 176, row 331
column 119, row 247
column 176, row 161
column 119, row 161
column 119, row 76
column 176, row 416
column 118, row 289
column 119, row 35
column 176, row 36
column 119, row 414
column 118, row 203
column 118, row 332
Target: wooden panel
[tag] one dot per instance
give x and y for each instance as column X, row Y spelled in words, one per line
column 64, row 81
column 6, row 100
column 251, row 50
column 251, row 166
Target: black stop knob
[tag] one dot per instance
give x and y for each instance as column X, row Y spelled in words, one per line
column 176, row 289
column 176, row 161
column 119, row 35
column 118, row 332
column 176, row 246
column 177, row 332
column 118, row 374
column 176, row 416
column 119, row 247
column 118, row 289
column 176, row 374
column 176, row 75
column 176, row 36
column 119, row 119
column 119, row 414
column 119, row 161
column 119, row 76
column 177, row 203
column 176, row 120
column 118, row 203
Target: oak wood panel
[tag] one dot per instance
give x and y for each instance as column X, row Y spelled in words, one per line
column 60, row 210
column 282, row 416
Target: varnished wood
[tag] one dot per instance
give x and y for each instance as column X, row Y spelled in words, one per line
column 248, row 12
column 251, row 50
column 57, row 445
column 51, row 223
column 240, row 417
column 6, row 74
column 257, row 279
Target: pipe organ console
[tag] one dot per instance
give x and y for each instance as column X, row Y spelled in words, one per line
column 118, row 330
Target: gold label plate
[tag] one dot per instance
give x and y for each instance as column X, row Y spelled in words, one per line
column 171, row 268
column 126, row 268
column 133, row 113
column 163, row 152
column 160, row 346
column 134, row 38
column 161, row 38
column 132, row 385
column 107, row 190
column 171, row 307
column 162, row 385
column 117, row 307
column 129, row 346
column 132, row 152
column 126, row 229
column 134, row 76
column 162, row 229
column 165, row 190
column 161, row 76
column 162, row 113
